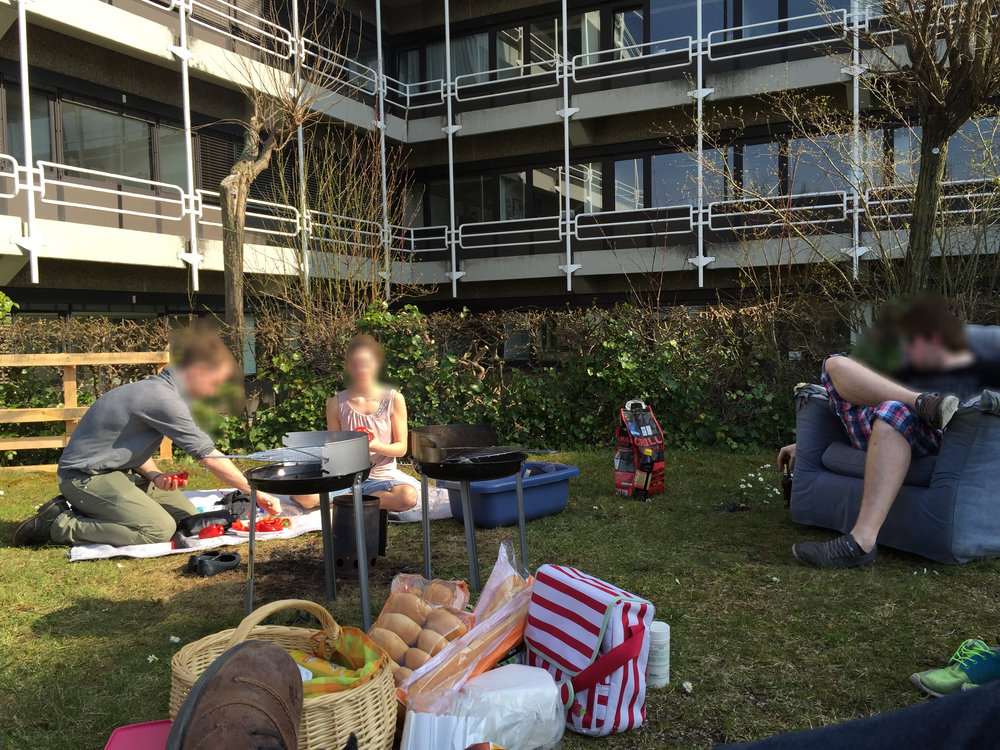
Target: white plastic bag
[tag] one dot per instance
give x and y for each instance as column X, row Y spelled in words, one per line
column 515, row 707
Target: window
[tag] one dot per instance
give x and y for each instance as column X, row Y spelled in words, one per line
column 408, row 66
column 820, row 164
column 585, row 190
column 544, row 45
column 906, row 154
column 584, row 34
column 105, row 141
column 469, row 55
column 41, row 126
column 973, row 151
column 761, row 172
column 628, row 184
column 513, row 188
column 627, row 32
column 173, row 157
column 675, row 177
column 474, row 200
column 669, row 19
column 510, row 51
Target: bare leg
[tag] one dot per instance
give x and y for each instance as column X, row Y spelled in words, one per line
column 306, row 501
column 862, row 386
column 399, row 498
column 888, row 460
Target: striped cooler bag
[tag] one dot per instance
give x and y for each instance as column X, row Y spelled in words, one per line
column 593, row 638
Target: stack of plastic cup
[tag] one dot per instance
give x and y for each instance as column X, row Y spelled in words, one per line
column 658, row 668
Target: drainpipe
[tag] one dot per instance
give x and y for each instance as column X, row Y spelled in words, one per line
column 450, row 129
column 380, row 124
column 192, row 208
column 566, row 226
column 699, row 94
column 30, row 242
column 300, row 139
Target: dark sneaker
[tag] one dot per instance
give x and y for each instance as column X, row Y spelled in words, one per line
column 250, row 698
column 843, row 552
column 936, row 410
column 38, row 529
column 990, row 402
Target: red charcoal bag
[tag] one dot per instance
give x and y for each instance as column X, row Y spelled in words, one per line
column 638, row 431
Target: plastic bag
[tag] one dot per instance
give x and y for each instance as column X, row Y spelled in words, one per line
column 354, row 658
column 515, row 707
column 504, row 604
column 411, row 631
column 438, row 592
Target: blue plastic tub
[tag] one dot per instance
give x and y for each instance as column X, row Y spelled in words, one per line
column 494, row 503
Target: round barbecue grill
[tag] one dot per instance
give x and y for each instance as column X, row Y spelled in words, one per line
column 324, row 462
column 465, row 453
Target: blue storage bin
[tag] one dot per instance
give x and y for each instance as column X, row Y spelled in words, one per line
column 494, row 503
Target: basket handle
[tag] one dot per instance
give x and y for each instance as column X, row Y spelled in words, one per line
column 258, row 616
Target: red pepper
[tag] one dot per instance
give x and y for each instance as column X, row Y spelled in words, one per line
column 180, row 476
column 211, row 531
column 369, row 433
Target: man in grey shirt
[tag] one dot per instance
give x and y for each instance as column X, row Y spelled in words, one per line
column 112, row 490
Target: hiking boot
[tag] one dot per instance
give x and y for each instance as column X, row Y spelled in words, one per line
column 250, row 698
column 935, row 409
column 37, row 530
column 974, row 664
column 843, row 552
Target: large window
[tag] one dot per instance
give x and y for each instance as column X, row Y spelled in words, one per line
column 474, row 200
column 513, row 192
column 974, row 151
column 105, row 141
column 627, row 32
column 173, row 157
column 41, row 126
column 674, row 177
column 628, row 184
column 761, row 169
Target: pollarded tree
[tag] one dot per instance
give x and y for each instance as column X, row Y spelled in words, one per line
column 943, row 57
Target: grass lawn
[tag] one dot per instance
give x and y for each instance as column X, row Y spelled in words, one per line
column 768, row 645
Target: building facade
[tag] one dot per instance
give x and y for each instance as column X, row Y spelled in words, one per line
column 555, row 150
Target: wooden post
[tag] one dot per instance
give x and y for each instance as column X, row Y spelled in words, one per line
column 69, row 395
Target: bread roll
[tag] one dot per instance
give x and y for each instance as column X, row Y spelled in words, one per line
column 402, row 626
column 438, row 593
column 431, row 641
column 401, row 673
column 444, row 622
column 392, row 643
column 415, row 658
column 410, row 605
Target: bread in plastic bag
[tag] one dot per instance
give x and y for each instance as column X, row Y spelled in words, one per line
column 437, row 592
column 515, row 707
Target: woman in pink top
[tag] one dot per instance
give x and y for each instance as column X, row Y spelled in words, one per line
column 380, row 411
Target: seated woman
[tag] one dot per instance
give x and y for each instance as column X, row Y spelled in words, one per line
column 368, row 405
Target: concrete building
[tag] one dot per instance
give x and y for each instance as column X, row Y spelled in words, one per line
column 556, row 150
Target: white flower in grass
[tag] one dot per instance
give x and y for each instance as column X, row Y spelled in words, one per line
column 775, row 579
column 174, row 639
column 151, row 658
column 688, row 687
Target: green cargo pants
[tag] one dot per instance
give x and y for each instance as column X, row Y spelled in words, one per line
column 118, row 508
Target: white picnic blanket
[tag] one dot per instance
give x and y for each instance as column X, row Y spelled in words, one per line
column 302, row 522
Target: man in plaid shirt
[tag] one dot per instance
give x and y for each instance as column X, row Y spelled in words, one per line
column 894, row 422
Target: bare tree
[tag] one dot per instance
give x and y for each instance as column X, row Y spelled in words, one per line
column 949, row 72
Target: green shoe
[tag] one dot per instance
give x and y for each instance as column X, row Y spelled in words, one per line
column 973, row 664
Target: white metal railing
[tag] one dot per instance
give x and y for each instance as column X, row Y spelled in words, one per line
column 263, row 217
column 722, row 48
column 896, row 203
column 780, row 210
column 655, row 56
column 55, row 181
column 486, row 234
column 422, row 239
column 11, row 174
column 641, row 223
column 516, row 79
column 334, row 69
column 344, row 230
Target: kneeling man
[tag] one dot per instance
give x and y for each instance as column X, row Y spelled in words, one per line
column 112, row 490
column 896, row 419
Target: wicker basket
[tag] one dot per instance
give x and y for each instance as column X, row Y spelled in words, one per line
column 368, row 710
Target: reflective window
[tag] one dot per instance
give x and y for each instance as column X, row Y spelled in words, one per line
column 974, row 151
column 41, row 126
column 473, row 200
column 513, row 190
column 543, row 47
column 408, row 66
column 584, row 34
column 820, row 164
column 469, row 55
column 669, row 19
column 105, row 141
column 627, row 32
column 628, row 184
column 510, row 51
column 173, row 157
column 906, row 154
column 674, row 177
column 585, row 189
column 761, row 172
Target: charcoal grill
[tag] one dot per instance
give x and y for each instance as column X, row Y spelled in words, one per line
column 329, row 461
column 465, row 453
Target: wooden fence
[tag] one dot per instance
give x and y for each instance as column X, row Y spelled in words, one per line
column 70, row 412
